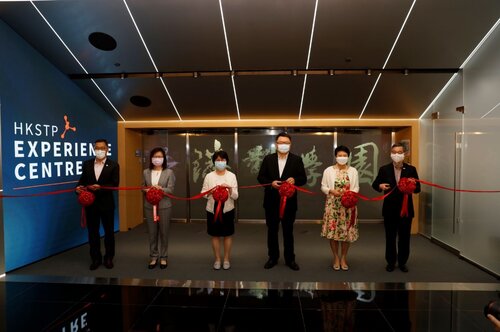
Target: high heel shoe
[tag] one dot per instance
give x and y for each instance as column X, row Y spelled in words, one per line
column 163, row 263
column 152, row 264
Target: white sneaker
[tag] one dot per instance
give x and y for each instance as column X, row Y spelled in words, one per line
column 226, row 265
column 217, row 265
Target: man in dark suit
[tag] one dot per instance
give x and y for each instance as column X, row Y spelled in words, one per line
column 396, row 226
column 275, row 169
column 97, row 173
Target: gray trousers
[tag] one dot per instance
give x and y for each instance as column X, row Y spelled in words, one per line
column 158, row 232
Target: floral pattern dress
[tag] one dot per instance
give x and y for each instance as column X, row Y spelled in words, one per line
column 339, row 223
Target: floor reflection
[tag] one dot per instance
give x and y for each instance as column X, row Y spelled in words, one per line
column 32, row 306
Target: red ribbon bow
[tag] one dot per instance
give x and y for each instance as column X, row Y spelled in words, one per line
column 407, row 186
column 154, row 197
column 85, row 198
column 220, row 195
column 286, row 190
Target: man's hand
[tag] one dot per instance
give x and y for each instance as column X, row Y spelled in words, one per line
column 384, row 186
column 94, row 187
column 79, row 189
column 276, row 184
column 495, row 322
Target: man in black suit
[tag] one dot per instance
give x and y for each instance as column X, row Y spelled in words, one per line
column 396, row 225
column 275, row 169
column 97, row 173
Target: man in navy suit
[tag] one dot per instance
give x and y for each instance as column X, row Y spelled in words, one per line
column 396, row 226
column 97, row 173
column 275, row 169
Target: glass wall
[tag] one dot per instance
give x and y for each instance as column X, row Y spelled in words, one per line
column 190, row 152
column 466, row 156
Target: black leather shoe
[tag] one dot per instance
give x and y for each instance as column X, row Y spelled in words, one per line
column 294, row 266
column 163, row 264
column 389, row 268
column 108, row 263
column 403, row 268
column 94, row 265
column 270, row 263
column 152, row 264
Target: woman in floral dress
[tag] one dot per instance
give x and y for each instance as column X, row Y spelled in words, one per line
column 340, row 225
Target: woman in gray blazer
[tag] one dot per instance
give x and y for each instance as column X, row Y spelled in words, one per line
column 159, row 176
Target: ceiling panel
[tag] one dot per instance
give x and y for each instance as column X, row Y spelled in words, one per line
column 265, row 34
column 362, row 32
column 402, row 96
column 203, row 97
column 120, row 91
column 269, row 96
column 340, row 96
column 442, row 34
column 182, row 35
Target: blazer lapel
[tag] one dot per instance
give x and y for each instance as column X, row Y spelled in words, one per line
column 163, row 177
column 148, row 178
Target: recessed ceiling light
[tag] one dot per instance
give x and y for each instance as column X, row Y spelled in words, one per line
column 140, row 101
column 102, row 41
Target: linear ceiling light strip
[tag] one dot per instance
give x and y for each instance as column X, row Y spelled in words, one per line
column 152, row 60
column 486, row 36
column 388, row 56
column 308, row 58
column 76, row 59
column 229, row 59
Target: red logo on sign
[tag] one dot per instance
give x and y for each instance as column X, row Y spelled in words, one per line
column 67, row 127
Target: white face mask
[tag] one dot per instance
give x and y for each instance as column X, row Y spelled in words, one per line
column 342, row 160
column 397, row 157
column 283, row 148
column 157, row 161
column 220, row 165
column 100, row 154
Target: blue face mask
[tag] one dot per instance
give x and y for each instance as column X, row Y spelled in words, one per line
column 220, row 165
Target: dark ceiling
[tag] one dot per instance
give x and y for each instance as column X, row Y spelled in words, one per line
column 260, row 72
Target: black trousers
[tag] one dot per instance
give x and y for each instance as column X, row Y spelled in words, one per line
column 273, row 225
column 397, row 229
column 94, row 217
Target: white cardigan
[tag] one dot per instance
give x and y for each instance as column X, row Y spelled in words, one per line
column 331, row 173
column 212, row 180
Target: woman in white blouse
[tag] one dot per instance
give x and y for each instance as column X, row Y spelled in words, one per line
column 159, row 176
column 221, row 229
column 340, row 225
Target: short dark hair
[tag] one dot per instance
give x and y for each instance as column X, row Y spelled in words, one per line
column 101, row 140
column 153, row 152
column 222, row 154
column 283, row 134
column 342, row 148
column 397, row 145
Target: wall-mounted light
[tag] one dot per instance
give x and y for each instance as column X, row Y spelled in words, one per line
column 195, row 74
column 407, row 72
column 369, row 72
column 331, row 72
column 294, row 72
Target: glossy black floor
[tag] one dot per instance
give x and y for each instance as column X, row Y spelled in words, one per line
column 162, row 305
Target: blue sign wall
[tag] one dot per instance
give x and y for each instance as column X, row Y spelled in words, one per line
column 48, row 129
